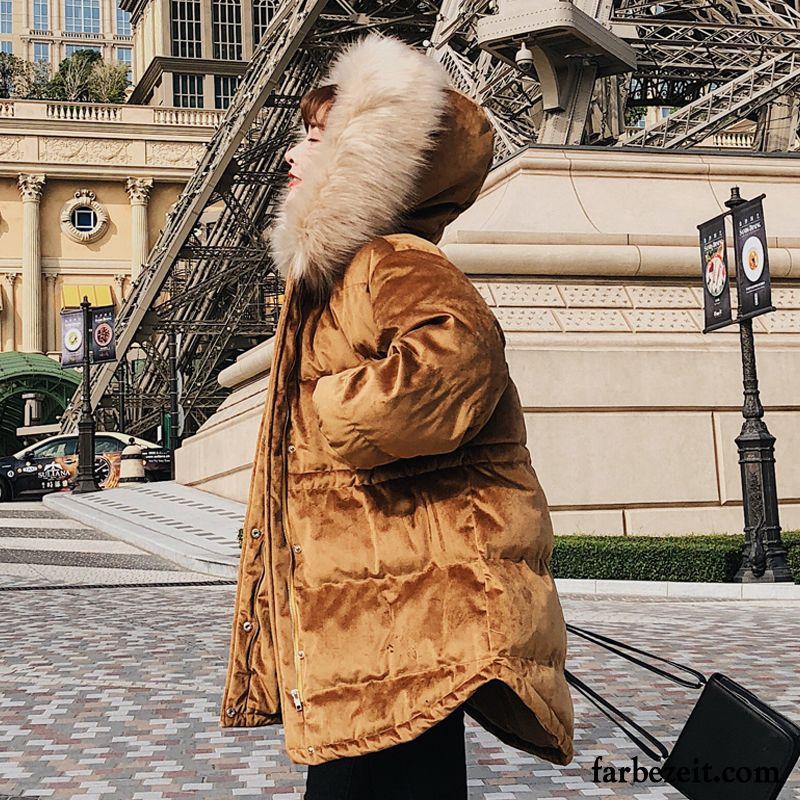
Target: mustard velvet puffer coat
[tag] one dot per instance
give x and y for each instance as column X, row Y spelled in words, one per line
column 395, row 561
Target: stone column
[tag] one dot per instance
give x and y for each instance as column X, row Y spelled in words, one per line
column 52, row 323
column 30, row 187
column 139, row 193
column 8, row 321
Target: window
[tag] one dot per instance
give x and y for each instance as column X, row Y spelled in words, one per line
column 106, row 444
column 187, row 90
column 41, row 51
column 41, row 15
column 263, row 11
column 186, row 28
column 224, row 89
column 82, row 16
column 123, row 21
column 5, row 16
column 125, row 55
column 6, row 47
column 55, row 448
column 84, row 219
column 226, row 20
column 70, row 49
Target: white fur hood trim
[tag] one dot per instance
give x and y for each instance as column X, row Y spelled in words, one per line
column 389, row 104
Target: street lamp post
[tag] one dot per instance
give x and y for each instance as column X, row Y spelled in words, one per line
column 763, row 552
column 86, row 480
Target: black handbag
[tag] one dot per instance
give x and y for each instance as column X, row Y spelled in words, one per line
column 733, row 745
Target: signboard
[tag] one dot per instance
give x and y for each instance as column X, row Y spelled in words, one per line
column 716, row 281
column 104, row 338
column 752, row 260
column 72, row 338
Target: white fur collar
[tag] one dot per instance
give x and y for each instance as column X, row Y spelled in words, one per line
column 389, row 104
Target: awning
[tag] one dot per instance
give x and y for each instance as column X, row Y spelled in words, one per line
column 72, row 295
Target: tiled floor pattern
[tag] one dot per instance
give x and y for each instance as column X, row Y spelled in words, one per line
column 38, row 547
column 115, row 691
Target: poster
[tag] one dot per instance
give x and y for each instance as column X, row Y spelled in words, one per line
column 716, row 280
column 752, row 259
column 104, row 338
column 72, row 338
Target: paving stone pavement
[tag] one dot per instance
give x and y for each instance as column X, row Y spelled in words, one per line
column 39, row 547
column 117, row 690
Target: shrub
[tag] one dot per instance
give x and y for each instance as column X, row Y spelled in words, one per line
column 712, row 558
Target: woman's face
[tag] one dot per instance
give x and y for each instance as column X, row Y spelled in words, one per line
column 298, row 156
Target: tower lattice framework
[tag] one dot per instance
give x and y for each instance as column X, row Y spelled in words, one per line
column 209, row 280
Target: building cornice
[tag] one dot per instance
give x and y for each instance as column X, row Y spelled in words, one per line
column 193, row 66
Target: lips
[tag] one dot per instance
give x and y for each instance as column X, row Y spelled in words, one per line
column 293, row 180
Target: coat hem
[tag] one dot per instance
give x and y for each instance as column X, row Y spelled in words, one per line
column 397, row 733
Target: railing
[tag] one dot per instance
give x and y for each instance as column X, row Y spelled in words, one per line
column 112, row 113
column 740, row 140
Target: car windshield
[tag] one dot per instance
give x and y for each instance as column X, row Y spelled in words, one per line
column 52, row 449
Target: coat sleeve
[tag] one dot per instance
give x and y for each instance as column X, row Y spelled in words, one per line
column 440, row 372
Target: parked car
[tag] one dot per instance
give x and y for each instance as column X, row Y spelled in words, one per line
column 52, row 464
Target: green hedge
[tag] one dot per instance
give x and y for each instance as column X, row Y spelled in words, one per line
column 713, row 558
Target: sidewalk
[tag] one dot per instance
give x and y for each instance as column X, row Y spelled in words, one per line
column 195, row 529
column 198, row 530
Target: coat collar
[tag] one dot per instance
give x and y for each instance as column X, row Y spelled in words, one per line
column 390, row 104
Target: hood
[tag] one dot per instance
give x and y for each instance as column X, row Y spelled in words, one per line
column 402, row 151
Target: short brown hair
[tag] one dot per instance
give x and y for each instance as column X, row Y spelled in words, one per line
column 312, row 103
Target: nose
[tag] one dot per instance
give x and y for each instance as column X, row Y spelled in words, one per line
column 289, row 157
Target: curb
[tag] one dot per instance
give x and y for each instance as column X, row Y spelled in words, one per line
column 684, row 589
column 139, row 535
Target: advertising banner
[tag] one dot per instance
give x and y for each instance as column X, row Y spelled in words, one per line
column 752, row 260
column 104, row 339
column 716, row 282
column 72, row 338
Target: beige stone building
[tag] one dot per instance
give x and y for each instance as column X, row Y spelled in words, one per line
column 590, row 260
column 51, row 30
column 192, row 53
column 83, row 195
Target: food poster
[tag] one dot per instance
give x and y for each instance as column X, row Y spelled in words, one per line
column 716, row 282
column 752, row 261
column 103, row 335
column 72, row 338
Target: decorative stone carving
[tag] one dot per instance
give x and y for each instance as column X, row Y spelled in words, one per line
column 30, row 187
column 526, row 294
column 174, row 154
column 661, row 320
column 526, row 319
column 596, row 296
column 85, row 151
column 139, row 190
column 10, row 149
column 663, row 297
column 84, row 198
column 582, row 319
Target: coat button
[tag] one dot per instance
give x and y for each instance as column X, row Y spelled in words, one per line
column 291, row 448
column 248, row 626
column 231, row 712
column 297, row 548
column 310, row 749
column 255, row 533
column 301, row 653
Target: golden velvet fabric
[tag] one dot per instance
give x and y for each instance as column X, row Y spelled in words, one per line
column 396, row 550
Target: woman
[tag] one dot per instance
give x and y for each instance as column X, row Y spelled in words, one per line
column 395, row 565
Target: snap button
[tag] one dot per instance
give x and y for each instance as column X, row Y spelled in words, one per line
column 291, row 448
column 297, row 548
column 255, row 533
column 231, row 712
column 301, row 653
column 248, row 626
column 310, row 749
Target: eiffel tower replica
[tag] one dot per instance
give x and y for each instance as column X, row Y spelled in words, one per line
column 546, row 72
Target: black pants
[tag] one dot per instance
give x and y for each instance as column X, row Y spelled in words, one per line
column 431, row 767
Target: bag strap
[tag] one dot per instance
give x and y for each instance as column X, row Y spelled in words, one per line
column 607, row 642
column 603, row 704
